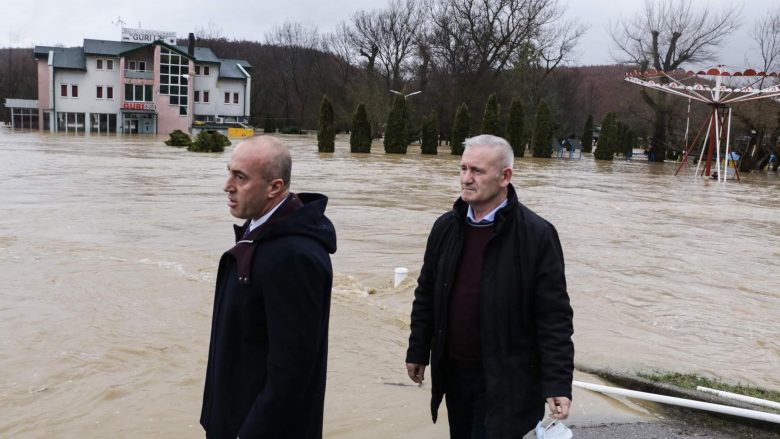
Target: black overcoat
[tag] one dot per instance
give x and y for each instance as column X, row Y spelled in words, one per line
column 269, row 337
column 526, row 318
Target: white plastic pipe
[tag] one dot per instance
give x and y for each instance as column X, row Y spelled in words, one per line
column 743, row 398
column 718, row 408
column 400, row 275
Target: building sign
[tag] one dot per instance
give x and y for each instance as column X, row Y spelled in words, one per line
column 147, row 36
column 149, row 106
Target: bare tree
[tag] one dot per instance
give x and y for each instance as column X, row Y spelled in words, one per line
column 297, row 55
column 211, row 31
column 485, row 35
column 766, row 34
column 389, row 36
column 666, row 35
column 339, row 43
column 762, row 116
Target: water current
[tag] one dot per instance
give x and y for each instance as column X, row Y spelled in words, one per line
column 109, row 248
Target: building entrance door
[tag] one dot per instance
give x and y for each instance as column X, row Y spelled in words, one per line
column 147, row 124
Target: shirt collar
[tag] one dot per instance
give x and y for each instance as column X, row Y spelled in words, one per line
column 260, row 221
column 489, row 218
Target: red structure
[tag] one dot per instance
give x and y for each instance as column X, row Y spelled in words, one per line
column 717, row 126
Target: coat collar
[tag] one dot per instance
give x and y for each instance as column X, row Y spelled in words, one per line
column 460, row 208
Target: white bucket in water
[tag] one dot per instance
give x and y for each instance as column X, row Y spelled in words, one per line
column 400, row 275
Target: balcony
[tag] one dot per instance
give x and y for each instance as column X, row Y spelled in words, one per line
column 139, row 74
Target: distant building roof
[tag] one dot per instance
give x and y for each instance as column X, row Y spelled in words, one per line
column 109, row 48
column 75, row 57
column 64, row 57
column 202, row 54
column 228, row 68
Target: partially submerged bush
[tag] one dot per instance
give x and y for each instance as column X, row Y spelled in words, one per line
column 209, row 141
column 179, row 138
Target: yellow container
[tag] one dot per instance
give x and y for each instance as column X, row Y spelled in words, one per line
column 240, row 133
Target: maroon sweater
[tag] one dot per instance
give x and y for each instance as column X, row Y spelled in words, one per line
column 463, row 341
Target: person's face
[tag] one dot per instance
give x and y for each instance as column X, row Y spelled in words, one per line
column 482, row 180
column 249, row 194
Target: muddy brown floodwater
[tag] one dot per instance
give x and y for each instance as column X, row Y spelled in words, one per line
column 109, row 248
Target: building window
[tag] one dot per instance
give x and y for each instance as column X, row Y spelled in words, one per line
column 205, row 97
column 131, row 65
column 197, row 70
column 235, row 98
column 109, row 64
column 205, row 70
column 102, row 123
column 138, row 93
column 227, row 97
column 196, row 96
column 99, row 64
column 74, row 91
column 99, row 92
column 63, row 90
column 174, row 78
column 70, row 122
column 141, row 66
column 109, row 92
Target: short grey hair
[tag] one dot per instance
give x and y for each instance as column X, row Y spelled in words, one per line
column 506, row 157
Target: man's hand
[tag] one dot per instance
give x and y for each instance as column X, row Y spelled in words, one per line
column 416, row 372
column 559, row 406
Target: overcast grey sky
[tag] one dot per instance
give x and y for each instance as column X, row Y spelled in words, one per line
column 49, row 22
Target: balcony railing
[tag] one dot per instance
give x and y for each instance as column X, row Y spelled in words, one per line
column 139, row 74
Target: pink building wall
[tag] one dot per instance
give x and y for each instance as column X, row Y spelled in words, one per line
column 44, row 94
column 168, row 118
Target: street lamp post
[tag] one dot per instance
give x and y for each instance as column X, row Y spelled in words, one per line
column 406, row 95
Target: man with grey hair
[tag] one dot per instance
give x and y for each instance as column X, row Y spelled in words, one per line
column 491, row 313
column 269, row 334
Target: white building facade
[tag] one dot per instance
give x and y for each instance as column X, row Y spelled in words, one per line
column 147, row 87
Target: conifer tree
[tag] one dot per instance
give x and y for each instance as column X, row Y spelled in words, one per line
column 543, row 132
column 430, row 134
column 270, row 126
column 396, row 136
column 516, row 128
column 326, row 136
column 607, row 139
column 360, row 137
column 460, row 129
column 490, row 117
column 587, row 135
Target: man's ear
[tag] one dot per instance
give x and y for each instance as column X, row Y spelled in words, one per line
column 277, row 187
column 506, row 176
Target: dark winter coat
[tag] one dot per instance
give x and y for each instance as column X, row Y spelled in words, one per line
column 269, row 333
column 526, row 319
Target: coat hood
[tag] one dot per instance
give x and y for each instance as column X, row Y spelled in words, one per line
column 300, row 215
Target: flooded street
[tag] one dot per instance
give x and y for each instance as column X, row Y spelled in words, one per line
column 109, row 249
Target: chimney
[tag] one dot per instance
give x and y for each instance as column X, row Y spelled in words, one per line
column 191, row 45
